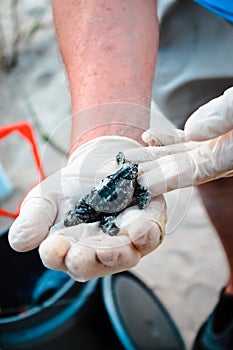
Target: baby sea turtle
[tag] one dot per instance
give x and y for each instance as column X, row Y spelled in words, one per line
column 110, row 197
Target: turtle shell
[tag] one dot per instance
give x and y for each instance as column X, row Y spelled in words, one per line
column 114, row 193
column 109, row 197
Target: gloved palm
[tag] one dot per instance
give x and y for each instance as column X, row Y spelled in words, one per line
column 84, row 251
column 203, row 152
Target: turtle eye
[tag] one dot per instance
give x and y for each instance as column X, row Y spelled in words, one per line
column 120, row 158
column 130, row 172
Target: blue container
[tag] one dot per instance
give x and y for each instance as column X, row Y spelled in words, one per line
column 5, row 184
column 45, row 309
column 140, row 320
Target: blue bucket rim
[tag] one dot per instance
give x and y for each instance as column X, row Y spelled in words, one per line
column 49, row 325
column 87, row 288
column 38, row 308
column 32, row 333
column 114, row 315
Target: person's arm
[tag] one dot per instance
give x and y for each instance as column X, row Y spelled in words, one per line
column 201, row 153
column 109, row 49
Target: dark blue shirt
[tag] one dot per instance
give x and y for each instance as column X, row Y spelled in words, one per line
column 223, row 8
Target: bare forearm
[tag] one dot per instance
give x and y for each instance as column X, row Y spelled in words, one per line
column 109, row 50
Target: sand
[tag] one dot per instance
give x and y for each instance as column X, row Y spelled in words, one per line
column 189, row 268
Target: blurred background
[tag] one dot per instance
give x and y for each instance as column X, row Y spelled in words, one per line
column 188, row 269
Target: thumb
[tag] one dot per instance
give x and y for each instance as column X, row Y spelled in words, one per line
column 209, row 160
column 37, row 215
column 213, row 119
column 163, row 136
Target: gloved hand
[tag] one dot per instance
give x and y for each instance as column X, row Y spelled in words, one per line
column 84, row 251
column 203, row 152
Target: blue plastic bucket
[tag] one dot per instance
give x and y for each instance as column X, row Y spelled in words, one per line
column 45, row 309
column 5, row 184
column 39, row 307
column 140, row 320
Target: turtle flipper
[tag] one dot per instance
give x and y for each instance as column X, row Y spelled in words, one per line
column 108, row 225
column 142, row 196
column 81, row 213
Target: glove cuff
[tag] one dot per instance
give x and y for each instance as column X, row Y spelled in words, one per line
column 106, row 144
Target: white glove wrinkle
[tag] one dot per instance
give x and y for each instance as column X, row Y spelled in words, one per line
column 161, row 136
column 212, row 119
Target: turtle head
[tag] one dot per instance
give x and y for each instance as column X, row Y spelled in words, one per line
column 129, row 171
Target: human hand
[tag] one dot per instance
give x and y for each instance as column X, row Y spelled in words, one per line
column 84, row 251
column 203, row 152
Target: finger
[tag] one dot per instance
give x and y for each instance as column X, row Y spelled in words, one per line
column 210, row 160
column 119, row 258
column 145, row 227
column 84, row 262
column 54, row 248
column 160, row 136
column 214, row 159
column 212, row 119
column 168, row 173
column 45, row 203
column 37, row 215
column 145, row 154
column 53, row 251
column 104, row 254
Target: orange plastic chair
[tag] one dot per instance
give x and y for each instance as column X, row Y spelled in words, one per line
column 25, row 130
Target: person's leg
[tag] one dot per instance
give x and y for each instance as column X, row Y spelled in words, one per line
column 189, row 73
column 217, row 197
column 194, row 66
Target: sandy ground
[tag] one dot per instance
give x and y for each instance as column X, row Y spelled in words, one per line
column 189, row 268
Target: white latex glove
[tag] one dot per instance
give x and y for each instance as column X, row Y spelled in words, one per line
column 84, row 251
column 181, row 162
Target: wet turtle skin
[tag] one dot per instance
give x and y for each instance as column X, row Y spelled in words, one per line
column 109, row 198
